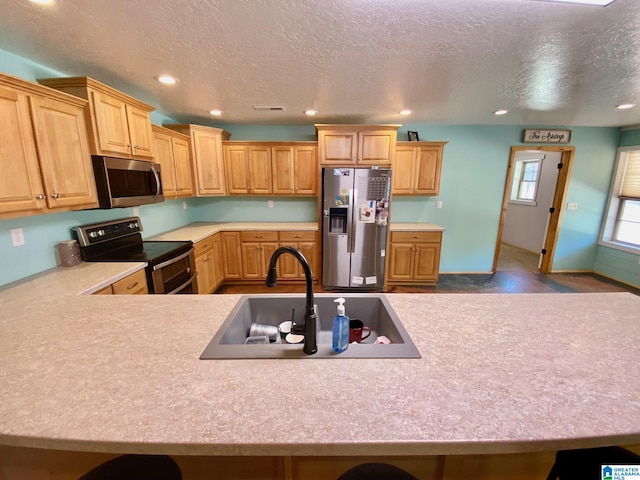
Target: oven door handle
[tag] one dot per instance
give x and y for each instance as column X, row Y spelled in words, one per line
column 185, row 284
column 173, row 260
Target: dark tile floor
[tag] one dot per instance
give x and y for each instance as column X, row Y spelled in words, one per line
column 517, row 273
column 500, row 282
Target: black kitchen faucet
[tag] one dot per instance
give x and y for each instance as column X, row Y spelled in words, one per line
column 309, row 328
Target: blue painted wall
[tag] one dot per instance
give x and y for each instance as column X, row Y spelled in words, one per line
column 614, row 263
column 472, row 186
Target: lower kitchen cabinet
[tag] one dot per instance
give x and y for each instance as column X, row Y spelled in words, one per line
column 134, row 284
column 306, row 242
column 218, row 259
column 209, row 263
column 414, row 258
column 232, row 264
column 257, row 248
column 205, row 265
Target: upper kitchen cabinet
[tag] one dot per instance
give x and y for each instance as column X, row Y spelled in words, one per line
column 44, row 153
column 295, row 169
column 206, row 157
column 247, row 168
column 417, row 167
column 351, row 145
column 279, row 168
column 172, row 153
column 119, row 125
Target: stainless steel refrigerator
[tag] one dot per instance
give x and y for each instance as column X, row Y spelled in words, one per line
column 355, row 205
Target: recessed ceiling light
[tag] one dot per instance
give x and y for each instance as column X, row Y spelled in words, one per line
column 42, row 2
column 501, row 112
column 310, row 112
column 215, row 113
column 625, row 106
column 597, row 3
column 405, row 112
column 167, row 79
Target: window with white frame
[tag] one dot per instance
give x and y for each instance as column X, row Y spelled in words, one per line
column 621, row 228
column 526, row 176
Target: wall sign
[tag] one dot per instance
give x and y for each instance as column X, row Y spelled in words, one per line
column 546, row 136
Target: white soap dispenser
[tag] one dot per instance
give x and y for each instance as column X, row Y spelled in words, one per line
column 340, row 328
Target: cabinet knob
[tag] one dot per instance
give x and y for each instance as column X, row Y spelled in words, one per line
column 40, row 197
column 55, row 195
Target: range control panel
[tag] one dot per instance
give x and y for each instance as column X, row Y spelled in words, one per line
column 102, row 232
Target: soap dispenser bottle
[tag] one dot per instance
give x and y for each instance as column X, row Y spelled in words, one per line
column 340, row 328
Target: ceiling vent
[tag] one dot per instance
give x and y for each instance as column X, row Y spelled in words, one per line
column 268, row 108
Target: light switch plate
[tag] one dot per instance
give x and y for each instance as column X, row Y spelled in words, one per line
column 572, row 206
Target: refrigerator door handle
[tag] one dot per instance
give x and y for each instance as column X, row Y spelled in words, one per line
column 351, row 227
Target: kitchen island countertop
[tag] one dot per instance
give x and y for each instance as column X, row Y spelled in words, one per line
column 499, row 373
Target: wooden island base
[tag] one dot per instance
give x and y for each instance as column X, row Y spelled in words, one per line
column 17, row 463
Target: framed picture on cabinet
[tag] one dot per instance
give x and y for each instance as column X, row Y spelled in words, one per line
column 413, row 136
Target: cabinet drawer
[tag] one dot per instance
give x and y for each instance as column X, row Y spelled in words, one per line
column 260, row 236
column 203, row 246
column 136, row 283
column 413, row 237
column 108, row 290
column 298, row 236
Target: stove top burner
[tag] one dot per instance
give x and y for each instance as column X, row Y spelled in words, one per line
column 121, row 241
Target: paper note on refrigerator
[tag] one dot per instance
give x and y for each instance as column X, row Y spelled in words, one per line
column 367, row 211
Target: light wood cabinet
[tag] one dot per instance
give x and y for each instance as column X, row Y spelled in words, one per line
column 206, row 157
column 134, row 284
column 257, row 248
column 44, row 153
column 414, row 258
column 417, row 167
column 232, row 265
column 305, row 241
column 248, row 169
column 264, row 168
column 218, row 260
column 205, row 265
column 295, row 169
column 172, row 152
column 119, row 125
column 351, row 145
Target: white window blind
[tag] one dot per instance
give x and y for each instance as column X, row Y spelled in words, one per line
column 630, row 187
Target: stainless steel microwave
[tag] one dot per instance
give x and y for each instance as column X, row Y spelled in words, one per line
column 123, row 182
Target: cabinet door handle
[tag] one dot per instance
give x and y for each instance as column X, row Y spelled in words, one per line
column 55, row 195
column 40, row 197
column 133, row 285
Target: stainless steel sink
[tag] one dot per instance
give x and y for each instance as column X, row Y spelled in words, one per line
column 373, row 309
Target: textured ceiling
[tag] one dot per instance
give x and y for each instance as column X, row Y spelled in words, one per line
column 355, row 61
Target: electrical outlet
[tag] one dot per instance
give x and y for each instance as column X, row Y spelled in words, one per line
column 184, row 205
column 270, row 204
column 136, row 212
column 439, row 204
column 572, row 206
column 17, row 237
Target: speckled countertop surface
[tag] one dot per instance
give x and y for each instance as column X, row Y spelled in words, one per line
column 498, row 373
column 201, row 230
